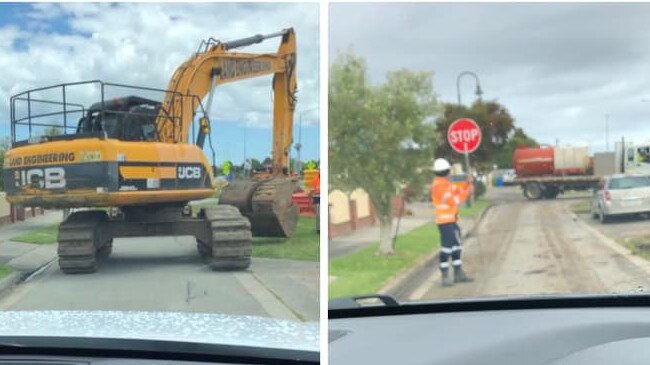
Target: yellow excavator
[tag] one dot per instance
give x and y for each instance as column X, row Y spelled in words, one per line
column 143, row 159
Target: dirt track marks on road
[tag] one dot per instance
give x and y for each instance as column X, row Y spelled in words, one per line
column 576, row 273
column 524, row 248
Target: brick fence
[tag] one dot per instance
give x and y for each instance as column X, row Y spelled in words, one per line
column 11, row 213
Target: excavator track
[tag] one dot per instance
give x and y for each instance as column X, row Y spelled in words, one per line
column 266, row 203
column 231, row 247
column 82, row 243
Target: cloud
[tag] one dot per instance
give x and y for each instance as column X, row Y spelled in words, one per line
column 143, row 43
column 558, row 68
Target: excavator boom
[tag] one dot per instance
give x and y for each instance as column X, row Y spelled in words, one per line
column 215, row 64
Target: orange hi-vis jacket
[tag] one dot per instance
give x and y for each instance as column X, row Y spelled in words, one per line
column 446, row 198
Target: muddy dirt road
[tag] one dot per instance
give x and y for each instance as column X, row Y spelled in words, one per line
column 540, row 247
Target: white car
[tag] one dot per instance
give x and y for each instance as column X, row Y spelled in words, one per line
column 621, row 194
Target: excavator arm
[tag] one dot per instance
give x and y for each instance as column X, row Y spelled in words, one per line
column 214, row 64
column 264, row 200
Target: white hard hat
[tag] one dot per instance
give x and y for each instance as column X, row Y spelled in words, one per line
column 440, row 164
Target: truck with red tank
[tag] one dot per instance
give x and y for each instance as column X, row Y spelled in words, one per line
column 547, row 171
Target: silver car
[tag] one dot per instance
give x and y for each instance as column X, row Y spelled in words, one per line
column 621, row 194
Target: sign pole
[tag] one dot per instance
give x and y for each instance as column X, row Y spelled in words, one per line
column 470, row 200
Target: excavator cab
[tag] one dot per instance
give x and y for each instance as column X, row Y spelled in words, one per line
column 130, row 118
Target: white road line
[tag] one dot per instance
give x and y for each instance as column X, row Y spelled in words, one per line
column 274, row 307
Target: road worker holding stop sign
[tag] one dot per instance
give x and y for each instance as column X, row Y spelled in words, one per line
column 447, row 198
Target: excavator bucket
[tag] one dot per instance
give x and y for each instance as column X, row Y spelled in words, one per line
column 266, row 203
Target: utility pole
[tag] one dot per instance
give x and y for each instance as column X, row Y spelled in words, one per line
column 607, row 132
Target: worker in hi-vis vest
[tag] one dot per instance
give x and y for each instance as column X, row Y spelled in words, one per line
column 315, row 196
column 447, row 198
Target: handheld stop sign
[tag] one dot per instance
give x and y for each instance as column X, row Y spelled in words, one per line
column 464, row 135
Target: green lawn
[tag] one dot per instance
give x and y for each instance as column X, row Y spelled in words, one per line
column 475, row 209
column 303, row 245
column 363, row 272
column 581, row 207
column 197, row 205
column 40, row 236
column 4, row 271
column 639, row 245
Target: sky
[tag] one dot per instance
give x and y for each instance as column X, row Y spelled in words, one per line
column 143, row 43
column 558, row 68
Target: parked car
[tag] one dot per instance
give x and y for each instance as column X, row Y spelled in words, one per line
column 621, row 194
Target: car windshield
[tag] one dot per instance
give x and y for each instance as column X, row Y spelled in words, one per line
column 539, row 105
column 128, row 208
column 629, row 182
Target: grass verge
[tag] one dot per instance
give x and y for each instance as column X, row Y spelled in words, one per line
column 303, row 245
column 639, row 245
column 198, row 204
column 4, row 271
column 475, row 209
column 581, row 207
column 40, row 236
column 363, row 272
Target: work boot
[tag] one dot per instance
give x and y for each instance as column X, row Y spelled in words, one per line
column 460, row 276
column 446, row 280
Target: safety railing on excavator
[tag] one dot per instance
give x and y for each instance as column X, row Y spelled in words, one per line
column 36, row 117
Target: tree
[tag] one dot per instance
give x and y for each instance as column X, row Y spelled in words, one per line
column 5, row 144
column 255, row 164
column 379, row 137
column 503, row 158
column 52, row 131
column 496, row 125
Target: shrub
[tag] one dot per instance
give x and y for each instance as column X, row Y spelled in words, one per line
column 479, row 189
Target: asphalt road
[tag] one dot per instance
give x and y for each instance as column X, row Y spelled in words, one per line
column 523, row 248
column 166, row 274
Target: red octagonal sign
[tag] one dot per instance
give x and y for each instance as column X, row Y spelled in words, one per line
column 464, row 135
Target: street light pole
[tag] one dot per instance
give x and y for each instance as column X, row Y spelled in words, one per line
column 478, row 92
column 245, row 129
column 298, row 145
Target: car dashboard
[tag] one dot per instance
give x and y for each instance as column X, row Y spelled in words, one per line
column 606, row 332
